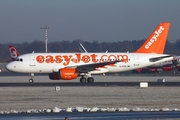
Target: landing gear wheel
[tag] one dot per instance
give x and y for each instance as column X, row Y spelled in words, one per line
column 30, row 80
column 82, row 79
column 90, row 79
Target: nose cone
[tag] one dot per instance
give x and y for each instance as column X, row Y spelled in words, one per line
column 10, row 67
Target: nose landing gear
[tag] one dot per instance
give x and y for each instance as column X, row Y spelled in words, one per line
column 31, row 79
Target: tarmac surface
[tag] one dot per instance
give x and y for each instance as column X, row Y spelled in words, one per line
column 95, row 84
column 96, row 116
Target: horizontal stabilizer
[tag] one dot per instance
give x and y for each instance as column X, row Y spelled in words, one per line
column 159, row 58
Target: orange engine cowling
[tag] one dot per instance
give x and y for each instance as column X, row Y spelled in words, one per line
column 64, row 74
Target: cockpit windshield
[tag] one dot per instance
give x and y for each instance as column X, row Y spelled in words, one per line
column 19, row 59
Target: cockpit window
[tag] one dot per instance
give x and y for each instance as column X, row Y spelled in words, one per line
column 19, row 59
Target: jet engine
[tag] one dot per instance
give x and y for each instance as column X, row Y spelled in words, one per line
column 64, row 74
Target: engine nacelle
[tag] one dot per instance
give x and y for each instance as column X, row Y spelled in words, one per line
column 64, row 74
column 167, row 67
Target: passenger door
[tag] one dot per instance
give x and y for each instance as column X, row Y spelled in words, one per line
column 31, row 60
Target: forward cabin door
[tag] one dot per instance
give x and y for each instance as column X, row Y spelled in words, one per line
column 31, row 60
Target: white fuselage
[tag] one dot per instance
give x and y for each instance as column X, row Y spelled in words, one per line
column 52, row 62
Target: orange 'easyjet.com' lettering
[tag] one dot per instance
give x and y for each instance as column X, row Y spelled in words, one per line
column 66, row 59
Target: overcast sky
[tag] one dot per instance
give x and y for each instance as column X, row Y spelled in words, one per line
column 88, row 20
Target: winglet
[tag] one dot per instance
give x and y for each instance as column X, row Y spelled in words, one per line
column 13, row 52
column 156, row 41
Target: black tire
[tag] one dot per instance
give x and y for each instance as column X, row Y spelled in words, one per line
column 82, row 79
column 31, row 81
column 90, row 79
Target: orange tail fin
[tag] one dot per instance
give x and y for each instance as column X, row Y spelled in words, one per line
column 156, row 41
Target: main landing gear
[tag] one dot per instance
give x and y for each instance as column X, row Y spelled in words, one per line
column 31, row 79
column 84, row 80
column 89, row 79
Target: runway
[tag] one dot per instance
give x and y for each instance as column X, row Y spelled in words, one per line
column 8, row 79
column 95, row 84
column 96, row 116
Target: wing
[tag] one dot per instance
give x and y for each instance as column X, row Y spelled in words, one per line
column 90, row 67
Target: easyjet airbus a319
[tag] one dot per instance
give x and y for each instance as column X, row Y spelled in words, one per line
column 69, row 66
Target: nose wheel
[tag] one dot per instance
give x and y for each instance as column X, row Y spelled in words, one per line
column 31, row 79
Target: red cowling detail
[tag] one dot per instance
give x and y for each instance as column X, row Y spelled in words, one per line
column 64, row 74
column 167, row 68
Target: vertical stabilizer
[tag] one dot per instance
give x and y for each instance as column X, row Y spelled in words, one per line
column 156, row 42
column 13, row 52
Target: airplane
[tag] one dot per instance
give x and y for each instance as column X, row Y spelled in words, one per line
column 13, row 52
column 69, row 66
column 165, row 66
